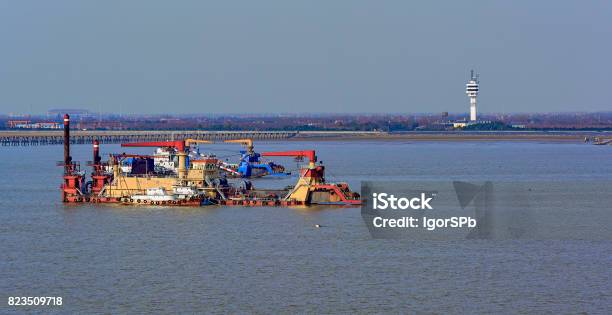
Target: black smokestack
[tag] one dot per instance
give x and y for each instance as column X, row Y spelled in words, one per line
column 67, row 158
column 96, row 152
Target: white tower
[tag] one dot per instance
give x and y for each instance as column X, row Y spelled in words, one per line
column 472, row 91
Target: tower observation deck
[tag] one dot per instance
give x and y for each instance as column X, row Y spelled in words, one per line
column 472, row 91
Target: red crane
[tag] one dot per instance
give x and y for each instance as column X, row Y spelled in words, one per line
column 310, row 154
column 312, row 171
column 179, row 144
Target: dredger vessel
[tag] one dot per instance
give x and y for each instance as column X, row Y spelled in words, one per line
column 195, row 182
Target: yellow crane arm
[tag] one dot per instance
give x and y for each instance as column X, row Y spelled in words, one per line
column 195, row 141
column 246, row 142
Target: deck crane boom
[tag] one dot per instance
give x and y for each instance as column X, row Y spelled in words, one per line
column 178, row 144
column 196, row 141
column 310, row 154
column 248, row 143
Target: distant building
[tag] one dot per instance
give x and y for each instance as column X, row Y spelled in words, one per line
column 26, row 124
column 15, row 123
column 463, row 123
column 471, row 90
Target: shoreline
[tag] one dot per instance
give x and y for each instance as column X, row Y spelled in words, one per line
column 573, row 138
column 11, row 138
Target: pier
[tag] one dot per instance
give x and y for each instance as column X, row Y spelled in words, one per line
column 54, row 137
column 34, row 138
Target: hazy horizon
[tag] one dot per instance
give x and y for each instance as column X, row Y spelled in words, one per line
column 395, row 57
column 305, row 114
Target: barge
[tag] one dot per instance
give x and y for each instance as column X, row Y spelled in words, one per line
column 195, row 181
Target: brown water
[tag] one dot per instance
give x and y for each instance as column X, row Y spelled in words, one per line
column 112, row 259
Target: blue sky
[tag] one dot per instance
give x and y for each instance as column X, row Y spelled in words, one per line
column 195, row 56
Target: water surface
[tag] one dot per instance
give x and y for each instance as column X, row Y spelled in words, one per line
column 114, row 259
